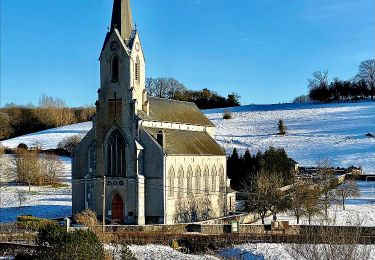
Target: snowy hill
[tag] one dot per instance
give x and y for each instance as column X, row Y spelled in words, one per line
column 335, row 132
column 316, row 132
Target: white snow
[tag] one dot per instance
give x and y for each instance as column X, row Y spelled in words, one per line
column 334, row 132
column 44, row 202
column 50, row 138
column 358, row 211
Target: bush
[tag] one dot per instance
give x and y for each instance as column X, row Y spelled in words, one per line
column 69, row 143
column 56, row 243
column 227, row 115
column 282, row 127
column 2, row 150
column 33, row 223
column 22, row 146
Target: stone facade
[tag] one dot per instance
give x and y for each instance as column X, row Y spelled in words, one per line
column 158, row 157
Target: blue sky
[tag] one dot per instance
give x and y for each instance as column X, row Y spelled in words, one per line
column 265, row 50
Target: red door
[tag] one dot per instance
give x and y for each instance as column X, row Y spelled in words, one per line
column 117, row 209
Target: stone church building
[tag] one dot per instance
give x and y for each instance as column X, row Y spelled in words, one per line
column 155, row 159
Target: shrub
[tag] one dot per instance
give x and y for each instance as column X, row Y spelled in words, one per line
column 33, row 223
column 89, row 219
column 282, row 127
column 2, row 150
column 227, row 115
column 69, row 143
column 56, row 243
column 22, row 146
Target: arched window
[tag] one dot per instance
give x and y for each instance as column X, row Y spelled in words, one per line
column 116, row 155
column 180, row 176
column 198, row 179
column 115, row 69
column 137, row 69
column 92, row 160
column 206, row 179
column 222, row 183
column 213, row 179
column 171, row 182
column 189, row 180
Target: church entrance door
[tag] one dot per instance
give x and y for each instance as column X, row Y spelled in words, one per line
column 117, row 209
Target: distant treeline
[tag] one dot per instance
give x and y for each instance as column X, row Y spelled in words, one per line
column 361, row 86
column 51, row 112
column 204, row 99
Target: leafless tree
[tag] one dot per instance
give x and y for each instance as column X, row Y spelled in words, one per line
column 164, row 87
column 330, row 242
column 347, row 189
column 327, row 184
column 69, row 143
column 367, row 74
column 297, row 198
column 312, row 204
column 266, row 195
column 21, row 196
column 320, row 79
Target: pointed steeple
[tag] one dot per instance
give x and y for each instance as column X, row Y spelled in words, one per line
column 122, row 18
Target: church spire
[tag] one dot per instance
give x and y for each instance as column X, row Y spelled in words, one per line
column 122, row 18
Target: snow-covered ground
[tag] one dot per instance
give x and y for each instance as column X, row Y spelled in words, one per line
column 334, row 132
column 358, row 211
column 45, row 202
column 50, row 138
column 331, row 131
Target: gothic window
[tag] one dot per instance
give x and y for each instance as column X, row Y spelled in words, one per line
column 115, row 69
column 136, row 70
column 198, row 177
column 206, row 179
column 92, row 160
column 116, row 155
column 180, row 176
column 189, row 180
column 90, row 189
column 213, row 179
column 222, row 183
column 171, row 182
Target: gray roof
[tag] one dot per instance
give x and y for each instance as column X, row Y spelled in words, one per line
column 173, row 111
column 184, row 142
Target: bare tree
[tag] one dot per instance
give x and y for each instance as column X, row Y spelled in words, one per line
column 347, row 189
column 164, row 87
column 21, row 196
column 367, row 74
column 320, row 79
column 330, row 242
column 328, row 182
column 52, row 169
column 312, row 204
column 297, row 199
column 69, row 143
column 266, row 195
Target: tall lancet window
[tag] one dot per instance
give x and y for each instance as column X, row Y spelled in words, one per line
column 115, row 69
column 116, row 155
column 136, row 70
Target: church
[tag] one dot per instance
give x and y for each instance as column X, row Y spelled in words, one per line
column 146, row 160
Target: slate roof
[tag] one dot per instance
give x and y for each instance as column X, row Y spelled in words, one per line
column 185, row 142
column 173, row 111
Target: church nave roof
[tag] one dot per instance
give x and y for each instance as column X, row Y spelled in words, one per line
column 185, row 142
column 173, row 111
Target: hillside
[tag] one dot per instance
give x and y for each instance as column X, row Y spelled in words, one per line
column 335, row 132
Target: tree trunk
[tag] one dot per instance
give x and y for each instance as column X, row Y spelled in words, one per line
column 343, row 203
column 297, row 220
column 309, row 219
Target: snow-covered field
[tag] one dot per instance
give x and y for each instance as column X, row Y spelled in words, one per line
column 333, row 132
column 45, row 202
column 358, row 211
column 50, row 138
column 315, row 132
